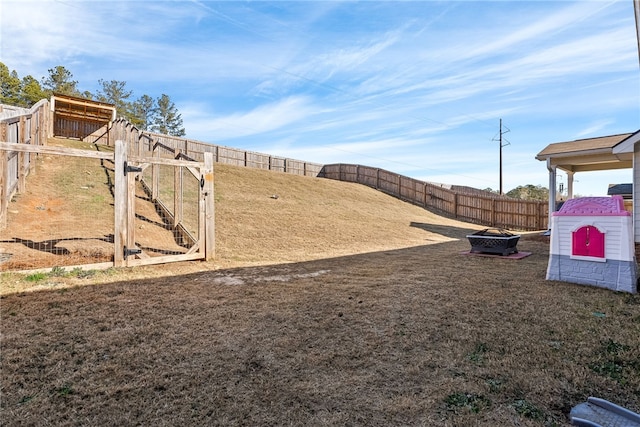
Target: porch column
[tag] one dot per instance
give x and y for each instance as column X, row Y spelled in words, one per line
column 552, row 190
column 570, row 185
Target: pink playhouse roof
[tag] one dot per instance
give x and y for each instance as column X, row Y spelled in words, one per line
column 593, row 206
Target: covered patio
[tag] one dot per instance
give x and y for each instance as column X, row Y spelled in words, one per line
column 592, row 154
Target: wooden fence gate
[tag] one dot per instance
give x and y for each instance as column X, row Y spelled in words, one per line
column 195, row 236
column 163, row 208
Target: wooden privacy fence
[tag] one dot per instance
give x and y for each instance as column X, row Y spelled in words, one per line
column 33, row 129
column 497, row 211
column 139, row 140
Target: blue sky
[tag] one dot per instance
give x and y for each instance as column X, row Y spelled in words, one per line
column 415, row 87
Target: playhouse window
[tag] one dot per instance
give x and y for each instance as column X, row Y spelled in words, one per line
column 588, row 241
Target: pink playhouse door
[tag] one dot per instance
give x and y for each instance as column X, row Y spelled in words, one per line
column 588, row 241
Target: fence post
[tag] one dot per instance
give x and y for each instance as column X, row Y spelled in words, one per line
column 155, row 174
column 4, row 182
column 21, row 125
column 210, row 224
column 130, row 183
column 50, row 119
column 34, row 138
column 177, row 192
column 455, row 205
column 424, row 194
column 43, row 121
column 22, row 170
column 120, row 204
column 139, row 142
column 493, row 212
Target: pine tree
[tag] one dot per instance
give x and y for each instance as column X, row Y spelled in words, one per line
column 166, row 119
column 114, row 92
column 60, row 81
column 142, row 111
column 10, row 87
column 31, row 91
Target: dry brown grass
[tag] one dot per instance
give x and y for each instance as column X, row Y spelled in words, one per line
column 262, row 217
column 330, row 305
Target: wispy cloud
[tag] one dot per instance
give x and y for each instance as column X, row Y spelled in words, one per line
column 265, row 118
column 594, row 128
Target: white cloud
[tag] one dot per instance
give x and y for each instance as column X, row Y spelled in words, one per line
column 594, row 128
column 265, row 118
column 547, row 28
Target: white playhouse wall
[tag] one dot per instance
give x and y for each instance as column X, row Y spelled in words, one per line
column 617, row 270
column 617, row 230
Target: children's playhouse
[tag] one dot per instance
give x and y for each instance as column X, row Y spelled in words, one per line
column 592, row 244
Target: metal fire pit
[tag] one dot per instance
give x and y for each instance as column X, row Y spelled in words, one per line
column 494, row 241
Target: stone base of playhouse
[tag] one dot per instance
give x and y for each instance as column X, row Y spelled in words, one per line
column 613, row 274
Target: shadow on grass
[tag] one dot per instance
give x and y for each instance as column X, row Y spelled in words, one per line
column 444, row 230
column 50, row 246
column 382, row 338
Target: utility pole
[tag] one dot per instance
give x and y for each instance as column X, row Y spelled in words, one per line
column 501, row 144
column 501, row 157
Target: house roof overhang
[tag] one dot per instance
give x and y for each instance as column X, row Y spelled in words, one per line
column 593, row 154
column 628, row 144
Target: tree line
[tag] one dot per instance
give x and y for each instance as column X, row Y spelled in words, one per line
column 526, row 192
column 147, row 113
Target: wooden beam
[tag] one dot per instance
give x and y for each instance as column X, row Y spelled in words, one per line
column 4, row 191
column 120, row 204
column 130, row 239
column 61, row 151
column 163, row 259
column 167, row 162
column 592, row 167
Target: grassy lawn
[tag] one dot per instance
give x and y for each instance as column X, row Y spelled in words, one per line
column 415, row 336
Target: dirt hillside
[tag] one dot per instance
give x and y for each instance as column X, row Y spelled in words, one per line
column 65, row 217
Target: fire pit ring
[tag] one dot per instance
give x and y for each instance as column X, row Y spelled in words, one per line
column 494, row 241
